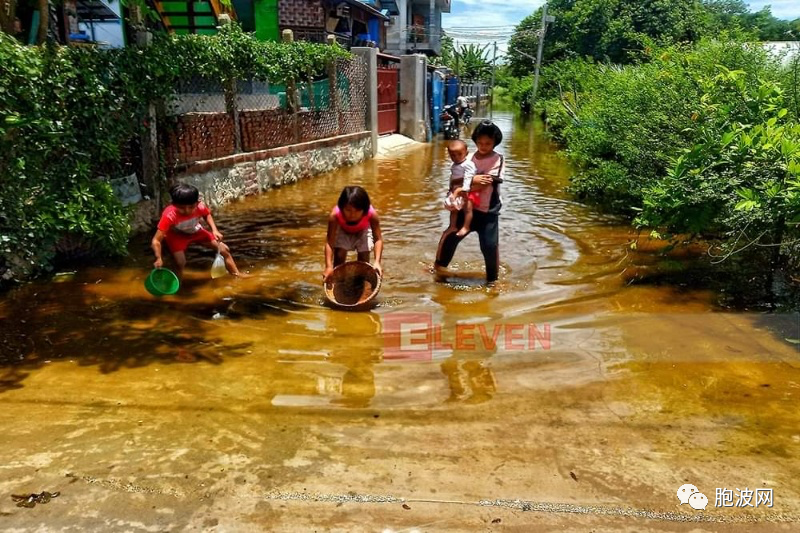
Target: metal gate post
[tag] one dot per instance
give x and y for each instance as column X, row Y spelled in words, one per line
column 370, row 55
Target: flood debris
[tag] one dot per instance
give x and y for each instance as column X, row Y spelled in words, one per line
column 30, row 500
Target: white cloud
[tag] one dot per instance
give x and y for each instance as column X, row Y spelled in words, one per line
column 786, row 9
column 487, row 21
column 481, row 13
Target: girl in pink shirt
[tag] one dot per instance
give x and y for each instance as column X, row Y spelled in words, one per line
column 486, row 211
column 353, row 225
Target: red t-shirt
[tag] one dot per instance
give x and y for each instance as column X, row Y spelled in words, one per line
column 171, row 219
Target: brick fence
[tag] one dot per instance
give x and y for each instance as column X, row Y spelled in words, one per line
column 198, row 136
column 211, row 124
column 195, row 137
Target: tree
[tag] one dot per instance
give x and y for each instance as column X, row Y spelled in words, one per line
column 768, row 28
column 472, row 63
column 523, row 45
column 617, row 30
column 724, row 15
column 445, row 59
column 7, row 17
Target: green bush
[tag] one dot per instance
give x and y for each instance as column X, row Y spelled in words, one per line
column 521, row 92
column 742, row 177
column 67, row 113
column 702, row 139
column 638, row 117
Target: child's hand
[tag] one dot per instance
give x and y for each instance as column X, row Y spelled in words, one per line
column 482, row 179
column 159, row 263
column 327, row 274
column 379, row 269
column 218, row 235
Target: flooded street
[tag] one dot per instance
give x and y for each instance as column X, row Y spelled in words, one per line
column 587, row 386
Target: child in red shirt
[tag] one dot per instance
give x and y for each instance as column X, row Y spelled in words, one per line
column 180, row 226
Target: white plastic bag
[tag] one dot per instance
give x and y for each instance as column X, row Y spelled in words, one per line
column 218, row 268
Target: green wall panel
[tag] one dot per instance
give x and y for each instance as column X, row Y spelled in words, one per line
column 266, row 17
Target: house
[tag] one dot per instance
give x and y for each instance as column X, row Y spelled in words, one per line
column 353, row 23
column 196, row 16
column 94, row 22
column 415, row 27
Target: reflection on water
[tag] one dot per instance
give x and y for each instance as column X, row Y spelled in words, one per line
column 563, row 264
column 615, row 375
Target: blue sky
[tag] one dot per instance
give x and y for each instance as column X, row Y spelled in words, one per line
column 785, row 9
column 485, row 21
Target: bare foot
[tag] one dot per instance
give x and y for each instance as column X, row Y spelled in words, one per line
column 242, row 275
column 462, row 232
column 440, row 272
column 496, row 288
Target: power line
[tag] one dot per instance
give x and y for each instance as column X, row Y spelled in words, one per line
column 480, row 27
column 495, row 35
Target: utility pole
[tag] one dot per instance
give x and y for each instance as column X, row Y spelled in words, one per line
column 455, row 53
column 491, row 100
column 539, row 52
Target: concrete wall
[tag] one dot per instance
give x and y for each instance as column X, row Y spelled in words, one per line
column 396, row 32
column 233, row 178
column 370, row 57
column 784, row 50
column 413, row 97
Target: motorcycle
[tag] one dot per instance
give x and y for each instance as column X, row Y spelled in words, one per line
column 449, row 121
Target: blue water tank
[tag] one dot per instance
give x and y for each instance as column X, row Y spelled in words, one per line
column 451, row 90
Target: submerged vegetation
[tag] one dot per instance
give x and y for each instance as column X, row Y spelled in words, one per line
column 687, row 125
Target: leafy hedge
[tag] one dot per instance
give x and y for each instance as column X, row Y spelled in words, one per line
column 702, row 140
column 66, row 114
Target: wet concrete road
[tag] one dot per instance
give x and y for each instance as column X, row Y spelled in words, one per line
column 578, row 395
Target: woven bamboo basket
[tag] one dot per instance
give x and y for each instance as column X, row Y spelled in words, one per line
column 353, row 286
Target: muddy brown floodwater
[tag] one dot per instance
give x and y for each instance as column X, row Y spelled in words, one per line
column 579, row 393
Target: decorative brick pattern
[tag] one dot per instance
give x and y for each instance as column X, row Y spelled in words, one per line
column 266, row 129
column 315, row 125
column 198, row 136
column 230, row 178
column 332, row 144
column 301, row 13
